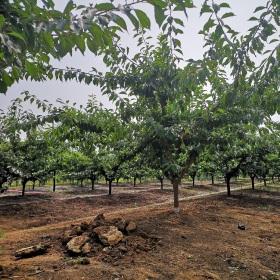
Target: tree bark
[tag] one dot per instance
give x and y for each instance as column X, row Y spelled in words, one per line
column 54, row 180
column 253, row 182
column 110, row 187
column 193, row 179
column 175, row 184
column 212, row 179
column 23, row 187
column 92, row 184
column 228, row 185
column 161, row 184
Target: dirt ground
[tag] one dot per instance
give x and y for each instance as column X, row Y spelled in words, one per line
column 202, row 242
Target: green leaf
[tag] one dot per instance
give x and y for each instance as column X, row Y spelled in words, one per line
column 3, row 87
column 202, row 76
column 48, row 40
column 259, row 9
column 210, row 23
column 17, row 35
column 189, row 4
column 159, row 3
column 31, row 68
column 143, row 18
column 134, row 21
column 104, row 7
column 253, row 19
column 80, row 42
column 273, row 41
column 6, row 78
column 226, row 15
column 224, row 5
column 218, row 31
column 92, row 46
column 159, row 15
column 16, row 74
column 2, row 20
column 178, row 21
column 48, row 3
column 206, row 9
column 69, row 7
column 120, row 22
column 45, row 57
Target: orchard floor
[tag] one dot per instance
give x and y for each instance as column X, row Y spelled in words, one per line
column 202, row 242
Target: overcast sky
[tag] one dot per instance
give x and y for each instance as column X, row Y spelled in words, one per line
column 192, row 44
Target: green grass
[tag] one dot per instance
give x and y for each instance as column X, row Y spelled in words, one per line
column 264, row 207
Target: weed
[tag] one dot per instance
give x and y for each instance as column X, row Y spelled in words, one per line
column 274, row 274
column 78, row 260
column 264, row 207
column 1, row 235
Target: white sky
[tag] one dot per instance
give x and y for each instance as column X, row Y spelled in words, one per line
column 192, row 44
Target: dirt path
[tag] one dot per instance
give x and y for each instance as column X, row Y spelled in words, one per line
column 202, row 242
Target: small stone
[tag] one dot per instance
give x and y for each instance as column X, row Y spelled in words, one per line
column 86, row 249
column 84, row 226
column 132, row 226
column 122, row 248
column 85, row 261
column 144, row 235
column 99, row 221
column 120, row 223
column 109, row 235
column 31, row 251
column 75, row 244
column 106, row 249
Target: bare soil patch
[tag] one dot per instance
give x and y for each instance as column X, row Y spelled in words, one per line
column 202, row 242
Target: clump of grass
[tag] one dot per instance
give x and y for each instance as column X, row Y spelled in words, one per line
column 67, row 192
column 274, row 274
column 78, row 260
column 1, row 235
column 264, row 207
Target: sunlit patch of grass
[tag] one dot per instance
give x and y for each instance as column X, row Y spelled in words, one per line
column 67, row 192
column 78, row 260
column 274, row 274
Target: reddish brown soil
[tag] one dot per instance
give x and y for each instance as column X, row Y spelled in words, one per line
column 202, row 242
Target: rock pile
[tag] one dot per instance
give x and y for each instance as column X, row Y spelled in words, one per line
column 109, row 240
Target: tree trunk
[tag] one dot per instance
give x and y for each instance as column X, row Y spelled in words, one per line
column 175, row 184
column 117, row 181
column 228, row 185
column 110, row 187
column 134, row 181
column 92, row 183
column 253, row 182
column 212, row 179
column 54, row 181
column 193, row 179
column 23, row 186
column 33, row 185
column 161, row 184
